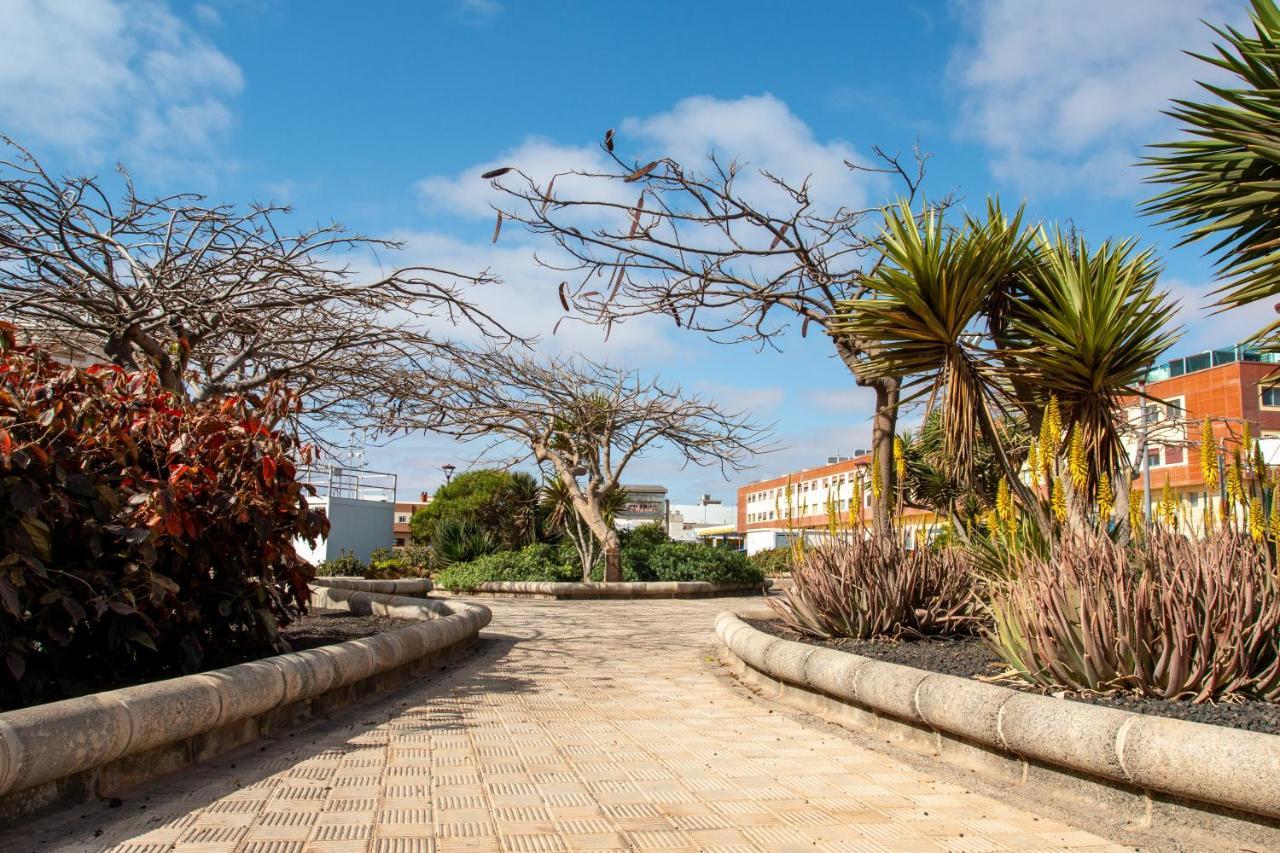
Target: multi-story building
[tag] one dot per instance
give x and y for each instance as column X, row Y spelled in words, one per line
column 401, row 529
column 1230, row 387
column 768, row 521
column 645, row 504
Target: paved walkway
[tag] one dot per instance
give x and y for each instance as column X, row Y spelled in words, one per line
column 580, row 726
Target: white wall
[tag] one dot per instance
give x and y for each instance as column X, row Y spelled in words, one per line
column 358, row 526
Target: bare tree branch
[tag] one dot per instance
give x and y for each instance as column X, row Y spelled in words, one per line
column 736, row 263
column 585, row 420
column 218, row 300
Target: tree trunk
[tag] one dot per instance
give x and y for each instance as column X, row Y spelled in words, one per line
column 612, row 557
column 883, row 428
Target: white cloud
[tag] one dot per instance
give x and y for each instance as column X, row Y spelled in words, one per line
column 479, row 10
column 757, row 130
column 1065, row 95
column 1203, row 326
column 107, row 78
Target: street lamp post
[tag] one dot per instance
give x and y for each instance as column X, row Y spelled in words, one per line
column 448, row 470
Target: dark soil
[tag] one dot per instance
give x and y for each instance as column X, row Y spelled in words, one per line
column 969, row 657
column 326, row 627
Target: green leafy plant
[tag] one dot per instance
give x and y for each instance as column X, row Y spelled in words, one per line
column 773, row 562
column 460, row 540
column 539, row 562
column 873, row 587
column 347, row 564
column 693, row 561
column 1169, row 617
column 142, row 536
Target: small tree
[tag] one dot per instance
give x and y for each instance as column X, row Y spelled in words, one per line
column 737, row 254
column 216, row 300
column 585, row 420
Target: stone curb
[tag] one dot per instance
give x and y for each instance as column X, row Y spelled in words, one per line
column 1195, row 763
column 404, row 586
column 598, row 590
column 56, row 740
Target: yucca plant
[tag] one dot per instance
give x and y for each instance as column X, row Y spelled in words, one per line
column 1223, row 176
column 873, row 587
column 460, row 540
column 1171, row 617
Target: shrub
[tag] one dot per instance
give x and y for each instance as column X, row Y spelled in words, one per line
column 459, row 540
column 1171, row 617
column 142, row 536
column 773, row 562
column 346, row 565
column 874, row 587
column 692, row 561
column 533, row 563
column 638, row 544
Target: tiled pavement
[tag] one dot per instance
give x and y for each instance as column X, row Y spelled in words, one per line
column 580, row 725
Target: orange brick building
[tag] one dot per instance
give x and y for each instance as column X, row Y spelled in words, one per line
column 1229, row 386
column 763, row 518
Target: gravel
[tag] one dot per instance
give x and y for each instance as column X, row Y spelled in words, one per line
column 969, row 657
column 325, row 627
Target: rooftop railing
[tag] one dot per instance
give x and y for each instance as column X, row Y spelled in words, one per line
column 1205, row 360
column 334, row 482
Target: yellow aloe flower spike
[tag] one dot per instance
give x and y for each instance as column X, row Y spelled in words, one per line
column 1050, row 436
column 899, row 458
column 1273, row 523
column 1257, row 521
column 1058, row 500
column 1077, row 461
column 877, row 482
column 1169, row 505
column 1033, row 461
column 833, row 517
column 1234, row 483
column 1208, row 456
column 993, row 524
column 1106, row 499
column 1135, row 510
column 1006, row 511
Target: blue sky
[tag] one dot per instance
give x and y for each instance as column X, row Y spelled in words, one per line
column 382, row 114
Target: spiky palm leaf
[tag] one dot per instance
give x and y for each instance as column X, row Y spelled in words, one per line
column 1224, row 177
column 927, row 313
column 1087, row 325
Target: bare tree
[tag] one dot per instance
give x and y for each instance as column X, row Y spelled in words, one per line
column 739, row 265
column 218, row 300
column 585, row 420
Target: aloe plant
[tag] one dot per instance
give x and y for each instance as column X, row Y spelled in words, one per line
column 1172, row 617
column 873, row 587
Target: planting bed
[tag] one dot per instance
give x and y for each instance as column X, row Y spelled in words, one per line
column 323, row 627
column 970, row 658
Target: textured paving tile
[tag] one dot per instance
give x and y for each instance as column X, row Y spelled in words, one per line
column 580, row 726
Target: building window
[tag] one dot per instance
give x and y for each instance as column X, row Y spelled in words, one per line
column 1271, row 397
column 1173, row 456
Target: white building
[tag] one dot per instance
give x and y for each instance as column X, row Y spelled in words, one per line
column 684, row 520
column 361, row 509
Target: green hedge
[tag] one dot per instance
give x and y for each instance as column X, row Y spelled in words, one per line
column 534, row 563
column 690, row 561
column 773, row 562
column 641, row 561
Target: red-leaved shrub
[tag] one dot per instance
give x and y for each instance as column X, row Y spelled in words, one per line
column 142, row 536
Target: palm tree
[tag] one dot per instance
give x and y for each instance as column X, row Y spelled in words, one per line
column 521, row 495
column 1223, row 177
column 988, row 320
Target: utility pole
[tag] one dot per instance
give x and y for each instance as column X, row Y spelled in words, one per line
column 1146, row 455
